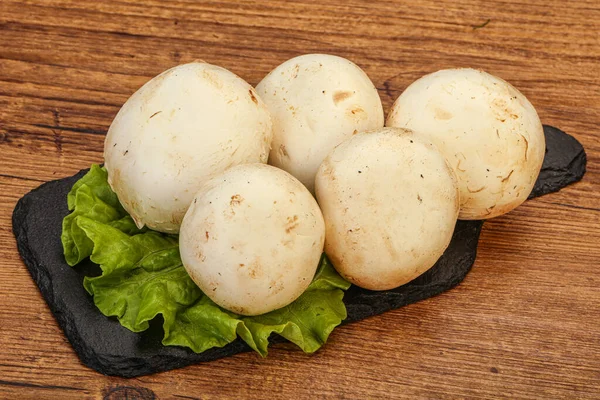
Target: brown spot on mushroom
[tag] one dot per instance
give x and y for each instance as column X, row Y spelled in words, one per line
column 295, row 71
column 155, row 114
column 282, row 151
column 442, row 114
column 114, row 178
column 341, row 95
column 236, row 200
column 419, row 198
column 200, row 256
column 489, row 209
column 357, row 110
column 354, row 132
column 526, row 146
column 242, row 265
column 237, row 309
column 327, row 170
column 475, row 190
column 255, row 269
column 207, row 235
column 507, row 177
column 292, row 223
column 275, row 286
column 212, row 78
column 503, row 110
column 252, row 96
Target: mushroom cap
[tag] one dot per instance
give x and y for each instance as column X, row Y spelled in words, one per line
column 317, row 101
column 181, row 128
column 489, row 132
column 390, row 202
column 252, row 239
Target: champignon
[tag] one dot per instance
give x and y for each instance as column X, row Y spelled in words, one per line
column 489, row 132
column 180, row 129
column 317, row 101
column 252, row 239
column 390, row 202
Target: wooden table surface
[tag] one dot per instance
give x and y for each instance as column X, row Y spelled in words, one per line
column 524, row 324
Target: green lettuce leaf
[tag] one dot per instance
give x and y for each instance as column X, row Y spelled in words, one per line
column 307, row 322
column 143, row 276
column 91, row 196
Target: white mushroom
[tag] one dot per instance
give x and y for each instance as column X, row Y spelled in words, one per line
column 317, row 101
column 489, row 132
column 390, row 203
column 181, row 128
column 252, row 239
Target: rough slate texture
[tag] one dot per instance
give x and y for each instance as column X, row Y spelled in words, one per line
column 104, row 345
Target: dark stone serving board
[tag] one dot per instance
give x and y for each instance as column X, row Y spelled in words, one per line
column 104, row 345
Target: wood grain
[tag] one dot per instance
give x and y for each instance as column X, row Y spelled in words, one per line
column 524, row 324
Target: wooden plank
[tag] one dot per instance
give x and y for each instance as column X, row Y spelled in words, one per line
column 525, row 322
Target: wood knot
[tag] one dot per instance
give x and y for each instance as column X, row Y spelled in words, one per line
column 128, row 392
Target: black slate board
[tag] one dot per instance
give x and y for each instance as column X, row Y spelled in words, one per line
column 104, row 345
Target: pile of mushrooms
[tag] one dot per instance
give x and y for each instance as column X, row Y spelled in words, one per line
column 187, row 154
